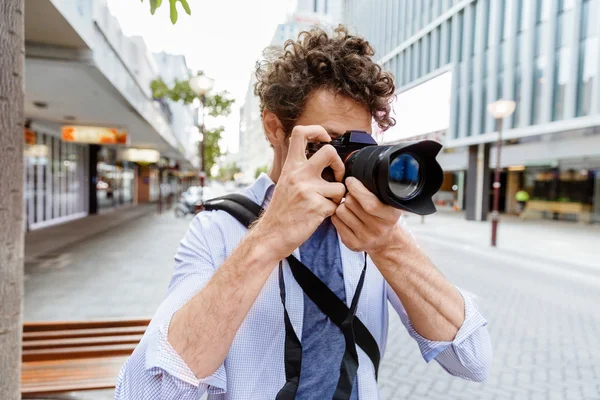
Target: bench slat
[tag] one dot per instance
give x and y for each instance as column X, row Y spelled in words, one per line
column 69, row 375
column 67, row 325
column 77, row 333
column 78, row 352
column 80, row 342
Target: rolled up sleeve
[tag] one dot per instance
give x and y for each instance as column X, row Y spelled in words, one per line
column 469, row 355
column 155, row 370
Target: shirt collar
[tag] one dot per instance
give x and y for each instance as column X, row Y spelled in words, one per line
column 261, row 190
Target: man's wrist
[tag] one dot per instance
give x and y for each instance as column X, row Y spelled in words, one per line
column 264, row 244
column 393, row 244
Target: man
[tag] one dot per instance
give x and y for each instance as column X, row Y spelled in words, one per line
column 221, row 328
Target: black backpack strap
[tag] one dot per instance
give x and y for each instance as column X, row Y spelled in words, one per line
column 246, row 212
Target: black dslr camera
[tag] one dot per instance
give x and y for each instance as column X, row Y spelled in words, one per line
column 405, row 175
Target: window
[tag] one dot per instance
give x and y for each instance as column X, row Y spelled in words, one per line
column 520, row 15
column 473, row 23
column 416, row 53
column 470, row 112
column 460, row 22
column 517, row 96
column 538, row 85
column 502, row 21
column 540, row 39
column 456, row 114
column 486, row 23
column 561, row 78
column 566, row 4
column 448, row 43
column 587, row 78
column 325, row 7
column 543, row 10
column 484, row 102
column 315, row 5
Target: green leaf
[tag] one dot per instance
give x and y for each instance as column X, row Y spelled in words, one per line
column 173, row 11
column 154, row 4
column 186, row 7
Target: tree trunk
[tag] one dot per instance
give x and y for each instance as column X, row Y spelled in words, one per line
column 12, row 58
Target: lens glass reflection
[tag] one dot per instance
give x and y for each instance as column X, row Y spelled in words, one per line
column 403, row 176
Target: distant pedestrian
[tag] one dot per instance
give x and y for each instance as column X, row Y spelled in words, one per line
column 522, row 198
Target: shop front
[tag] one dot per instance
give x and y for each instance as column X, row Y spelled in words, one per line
column 562, row 192
column 55, row 188
column 115, row 180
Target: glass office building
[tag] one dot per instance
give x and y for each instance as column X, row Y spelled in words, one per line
column 543, row 54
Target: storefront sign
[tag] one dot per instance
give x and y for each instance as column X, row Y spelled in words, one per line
column 140, row 156
column 30, row 136
column 93, row 134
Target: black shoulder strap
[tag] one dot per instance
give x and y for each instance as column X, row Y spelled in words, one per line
column 246, row 212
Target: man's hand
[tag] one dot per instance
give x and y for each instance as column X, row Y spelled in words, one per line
column 363, row 221
column 302, row 198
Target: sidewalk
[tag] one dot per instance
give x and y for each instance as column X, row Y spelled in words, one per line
column 40, row 244
column 561, row 242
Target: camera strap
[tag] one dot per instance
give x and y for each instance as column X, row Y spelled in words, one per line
column 355, row 332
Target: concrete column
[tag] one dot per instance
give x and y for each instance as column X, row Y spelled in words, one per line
column 478, row 182
column 93, row 179
column 461, row 189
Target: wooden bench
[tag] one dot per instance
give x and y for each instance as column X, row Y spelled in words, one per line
column 79, row 355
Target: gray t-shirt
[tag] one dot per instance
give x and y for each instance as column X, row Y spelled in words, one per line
column 323, row 343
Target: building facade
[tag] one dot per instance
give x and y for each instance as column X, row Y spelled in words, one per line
column 543, row 54
column 87, row 84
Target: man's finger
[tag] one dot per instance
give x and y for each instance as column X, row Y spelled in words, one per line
column 332, row 190
column 349, row 218
column 301, row 135
column 369, row 202
column 348, row 236
column 327, row 156
column 329, row 207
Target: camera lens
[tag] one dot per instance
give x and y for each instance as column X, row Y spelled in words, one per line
column 404, row 176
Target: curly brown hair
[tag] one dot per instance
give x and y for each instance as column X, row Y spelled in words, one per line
column 339, row 62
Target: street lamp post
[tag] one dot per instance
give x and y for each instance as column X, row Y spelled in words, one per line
column 201, row 85
column 499, row 109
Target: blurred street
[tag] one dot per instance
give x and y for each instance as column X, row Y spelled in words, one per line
column 542, row 313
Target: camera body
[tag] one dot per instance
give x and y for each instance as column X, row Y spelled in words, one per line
column 404, row 175
column 345, row 145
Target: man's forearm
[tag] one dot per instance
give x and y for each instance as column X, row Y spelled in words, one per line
column 203, row 329
column 434, row 306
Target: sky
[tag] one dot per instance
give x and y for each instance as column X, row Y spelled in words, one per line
column 223, row 38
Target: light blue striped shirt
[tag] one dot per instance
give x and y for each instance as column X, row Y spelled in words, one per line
column 254, row 366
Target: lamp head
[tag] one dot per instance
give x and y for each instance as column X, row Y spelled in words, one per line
column 501, row 108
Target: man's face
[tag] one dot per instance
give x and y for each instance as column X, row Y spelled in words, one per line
column 336, row 114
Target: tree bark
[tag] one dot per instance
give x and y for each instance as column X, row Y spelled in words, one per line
column 12, row 58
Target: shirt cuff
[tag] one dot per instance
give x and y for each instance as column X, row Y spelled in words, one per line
column 160, row 354
column 473, row 321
